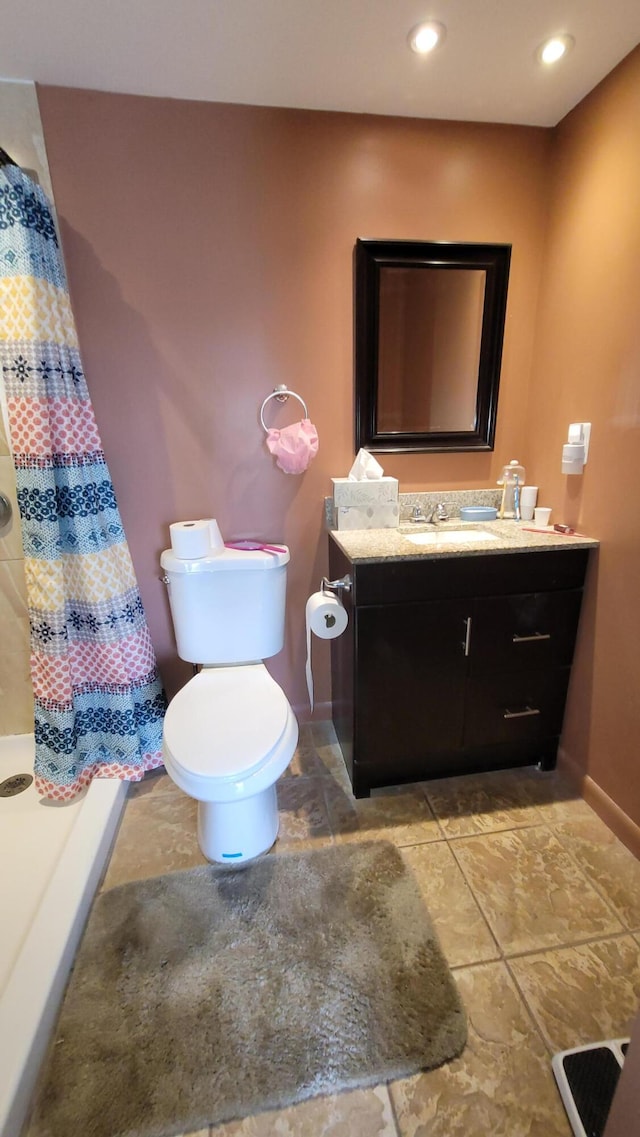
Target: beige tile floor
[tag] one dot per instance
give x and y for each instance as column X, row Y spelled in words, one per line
column 536, row 904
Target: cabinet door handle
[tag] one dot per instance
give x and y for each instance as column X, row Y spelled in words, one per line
column 467, row 636
column 530, row 639
column 521, row 714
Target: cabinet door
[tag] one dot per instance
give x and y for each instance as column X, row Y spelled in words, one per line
column 524, row 632
column 410, row 674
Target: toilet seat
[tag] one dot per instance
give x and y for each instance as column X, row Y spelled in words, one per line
column 225, row 723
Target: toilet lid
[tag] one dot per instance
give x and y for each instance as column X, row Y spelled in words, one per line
column 225, row 721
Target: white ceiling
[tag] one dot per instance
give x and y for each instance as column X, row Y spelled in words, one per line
column 342, row 55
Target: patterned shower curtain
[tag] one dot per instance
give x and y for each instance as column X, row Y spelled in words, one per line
column 99, row 704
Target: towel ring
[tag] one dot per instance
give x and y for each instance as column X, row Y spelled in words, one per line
column 281, row 393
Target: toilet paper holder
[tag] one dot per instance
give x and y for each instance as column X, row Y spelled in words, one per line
column 342, row 584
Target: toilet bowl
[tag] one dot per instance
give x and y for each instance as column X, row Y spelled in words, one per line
column 228, row 736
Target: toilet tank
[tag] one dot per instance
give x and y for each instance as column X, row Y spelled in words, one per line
column 228, row 608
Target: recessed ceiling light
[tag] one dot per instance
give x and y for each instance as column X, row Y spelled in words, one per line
column 554, row 49
column 424, row 37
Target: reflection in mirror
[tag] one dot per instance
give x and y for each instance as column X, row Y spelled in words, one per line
column 429, row 349
column 429, row 325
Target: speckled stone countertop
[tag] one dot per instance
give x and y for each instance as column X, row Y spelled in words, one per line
column 393, row 544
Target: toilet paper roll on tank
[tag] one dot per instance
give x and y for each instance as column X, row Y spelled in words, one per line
column 326, row 618
column 192, row 540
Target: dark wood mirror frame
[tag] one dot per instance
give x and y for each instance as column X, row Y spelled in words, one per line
column 370, row 258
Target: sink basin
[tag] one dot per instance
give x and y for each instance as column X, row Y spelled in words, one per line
column 451, row 537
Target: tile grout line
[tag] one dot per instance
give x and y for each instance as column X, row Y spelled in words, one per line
column 539, row 1029
column 504, row 955
column 393, row 1110
column 594, row 884
column 424, row 791
column 494, row 832
column 569, row 944
column 478, row 905
column 529, row 1011
column 549, row 1045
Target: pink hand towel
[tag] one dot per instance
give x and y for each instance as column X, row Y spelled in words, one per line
column 294, row 446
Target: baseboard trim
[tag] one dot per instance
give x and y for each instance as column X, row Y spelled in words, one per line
column 321, row 711
column 613, row 816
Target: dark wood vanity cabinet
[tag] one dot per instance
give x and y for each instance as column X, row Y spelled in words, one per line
column 453, row 665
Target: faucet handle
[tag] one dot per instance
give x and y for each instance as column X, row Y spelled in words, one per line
column 438, row 513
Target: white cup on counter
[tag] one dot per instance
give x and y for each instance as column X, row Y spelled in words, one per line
column 542, row 515
column 528, row 498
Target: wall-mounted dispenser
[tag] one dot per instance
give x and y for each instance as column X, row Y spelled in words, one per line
column 576, row 450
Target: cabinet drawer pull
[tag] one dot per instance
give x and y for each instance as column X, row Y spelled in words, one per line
column 530, row 639
column 467, row 637
column 521, row 714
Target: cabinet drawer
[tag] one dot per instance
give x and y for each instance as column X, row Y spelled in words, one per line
column 515, row 707
column 439, row 578
column 524, row 632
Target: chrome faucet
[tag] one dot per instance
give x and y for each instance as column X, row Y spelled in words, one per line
column 439, row 513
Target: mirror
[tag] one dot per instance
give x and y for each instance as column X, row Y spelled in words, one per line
column 429, row 324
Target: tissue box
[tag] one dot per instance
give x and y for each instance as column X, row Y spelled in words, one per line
column 366, row 505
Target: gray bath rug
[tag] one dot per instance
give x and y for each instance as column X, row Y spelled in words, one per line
column 213, row 994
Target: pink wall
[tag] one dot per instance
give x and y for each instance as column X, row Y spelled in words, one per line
column 587, row 368
column 209, row 250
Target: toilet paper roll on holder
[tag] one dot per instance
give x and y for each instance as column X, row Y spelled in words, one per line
column 339, row 586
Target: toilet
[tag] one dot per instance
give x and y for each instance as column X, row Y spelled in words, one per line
column 229, row 733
